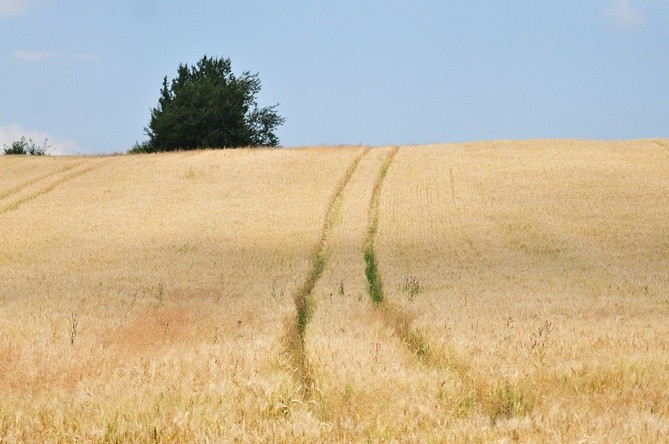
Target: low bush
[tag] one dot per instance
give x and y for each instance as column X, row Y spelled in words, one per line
column 27, row 147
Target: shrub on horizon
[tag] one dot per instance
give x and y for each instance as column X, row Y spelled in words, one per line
column 27, row 147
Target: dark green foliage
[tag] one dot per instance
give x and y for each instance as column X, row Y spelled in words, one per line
column 207, row 106
column 27, row 147
column 139, row 148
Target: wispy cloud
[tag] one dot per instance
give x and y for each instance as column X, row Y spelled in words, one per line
column 33, row 56
column 13, row 8
column 624, row 14
column 12, row 132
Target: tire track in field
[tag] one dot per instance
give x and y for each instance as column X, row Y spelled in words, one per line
column 399, row 319
column 495, row 398
column 18, row 188
column 371, row 269
column 295, row 330
column 48, row 188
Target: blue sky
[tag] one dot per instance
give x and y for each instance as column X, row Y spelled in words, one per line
column 86, row 74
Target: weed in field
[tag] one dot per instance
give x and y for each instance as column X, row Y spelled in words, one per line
column 166, row 329
column 186, row 249
column 160, row 292
column 419, row 344
column 648, row 291
column 539, row 341
column 507, row 400
column 467, row 404
column 73, row 324
column 411, row 287
column 377, row 350
column 111, row 430
column 277, row 294
column 216, row 337
column 195, row 173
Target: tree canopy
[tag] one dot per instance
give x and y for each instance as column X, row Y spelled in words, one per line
column 207, row 106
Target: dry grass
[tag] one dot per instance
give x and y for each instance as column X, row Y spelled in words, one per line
column 544, row 276
column 525, row 294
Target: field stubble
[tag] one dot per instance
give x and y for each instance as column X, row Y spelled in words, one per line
column 525, row 294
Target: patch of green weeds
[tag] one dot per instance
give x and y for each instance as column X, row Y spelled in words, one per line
column 507, row 400
column 373, row 278
column 411, row 287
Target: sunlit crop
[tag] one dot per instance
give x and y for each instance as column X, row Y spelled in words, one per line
column 509, row 290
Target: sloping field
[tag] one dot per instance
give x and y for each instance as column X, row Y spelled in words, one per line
column 509, row 290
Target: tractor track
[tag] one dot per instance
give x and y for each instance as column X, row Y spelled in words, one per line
column 371, row 267
column 396, row 317
column 496, row 398
column 74, row 173
column 18, row 188
column 295, row 330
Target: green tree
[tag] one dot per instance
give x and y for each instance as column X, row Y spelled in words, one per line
column 207, row 106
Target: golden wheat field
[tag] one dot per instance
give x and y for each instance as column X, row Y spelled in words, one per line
column 504, row 291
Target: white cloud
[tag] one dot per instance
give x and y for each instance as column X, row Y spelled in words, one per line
column 13, row 8
column 624, row 14
column 33, row 56
column 12, row 132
